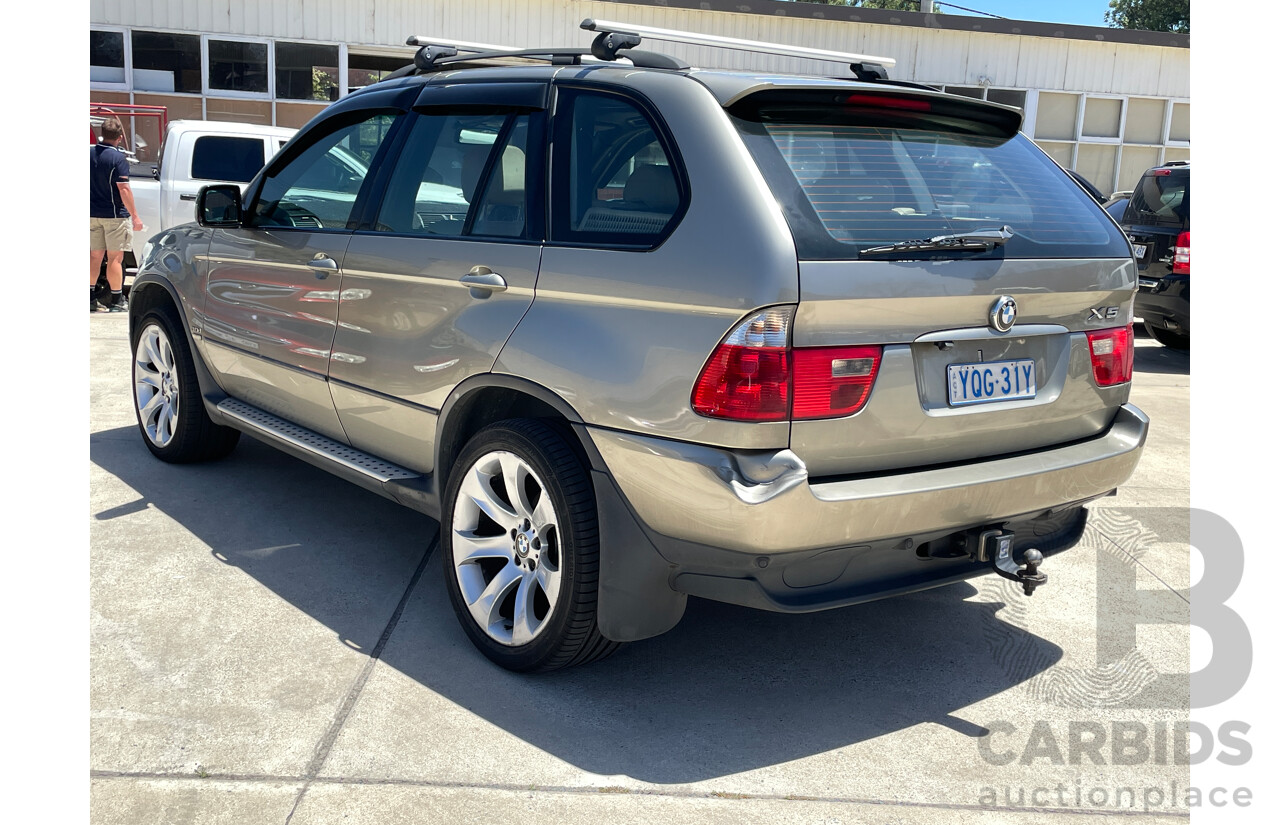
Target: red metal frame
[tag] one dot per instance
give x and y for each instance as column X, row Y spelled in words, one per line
column 123, row 110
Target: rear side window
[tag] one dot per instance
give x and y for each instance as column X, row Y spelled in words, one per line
column 850, row 178
column 1161, row 198
column 435, row 188
column 621, row 187
column 217, row 157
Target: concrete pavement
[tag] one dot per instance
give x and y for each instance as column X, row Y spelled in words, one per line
column 271, row 644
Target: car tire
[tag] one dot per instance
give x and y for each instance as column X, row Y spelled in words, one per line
column 1169, row 338
column 166, row 395
column 520, row 545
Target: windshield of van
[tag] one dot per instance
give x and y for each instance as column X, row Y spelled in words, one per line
column 850, row 180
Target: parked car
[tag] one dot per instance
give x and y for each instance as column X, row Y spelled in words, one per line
column 1158, row 222
column 634, row 331
column 1115, row 206
column 1087, row 186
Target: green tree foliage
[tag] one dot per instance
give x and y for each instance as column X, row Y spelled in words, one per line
column 321, row 82
column 1151, row 15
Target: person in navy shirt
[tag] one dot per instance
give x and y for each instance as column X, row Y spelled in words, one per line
column 113, row 218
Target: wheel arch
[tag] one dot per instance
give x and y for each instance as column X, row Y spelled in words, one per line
column 487, row 399
column 636, row 600
column 151, row 291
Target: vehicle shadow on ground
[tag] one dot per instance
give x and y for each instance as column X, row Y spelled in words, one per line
column 1159, row 359
column 729, row 690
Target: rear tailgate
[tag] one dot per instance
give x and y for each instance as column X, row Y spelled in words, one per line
column 931, row 317
column 858, row 173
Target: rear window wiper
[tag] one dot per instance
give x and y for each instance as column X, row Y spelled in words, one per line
column 978, row 240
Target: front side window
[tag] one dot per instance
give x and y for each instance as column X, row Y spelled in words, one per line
column 237, row 66
column 165, row 62
column 621, row 187
column 317, row 188
column 460, row 174
column 220, row 157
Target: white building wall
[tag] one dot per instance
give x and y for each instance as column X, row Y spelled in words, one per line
column 926, row 55
column 985, row 60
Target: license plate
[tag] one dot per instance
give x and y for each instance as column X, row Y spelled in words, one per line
column 1140, row 251
column 991, row 381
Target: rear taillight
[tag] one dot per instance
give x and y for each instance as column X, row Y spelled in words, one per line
column 1182, row 255
column 1112, row 353
column 753, row 375
column 833, row 381
column 748, row 377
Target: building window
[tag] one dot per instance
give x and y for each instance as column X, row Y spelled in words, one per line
column 1102, row 117
column 166, row 62
column 1016, row 98
column 1134, row 161
column 366, row 69
column 1060, row 152
column 1097, row 162
column 1145, row 120
column 1180, row 123
column 306, row 72
column 1056, row 119
column 237, row 66
column 106, row 57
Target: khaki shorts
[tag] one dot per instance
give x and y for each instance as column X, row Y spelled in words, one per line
column 111, row 234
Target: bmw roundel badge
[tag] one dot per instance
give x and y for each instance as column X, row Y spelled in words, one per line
column 1003, row 313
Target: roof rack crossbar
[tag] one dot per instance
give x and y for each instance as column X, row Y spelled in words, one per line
column 434, row 54
column 552, row 55
column 460, row 45
column 862, row 62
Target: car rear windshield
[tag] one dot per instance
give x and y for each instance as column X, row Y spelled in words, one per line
column 1161, row 198
column 854, row 176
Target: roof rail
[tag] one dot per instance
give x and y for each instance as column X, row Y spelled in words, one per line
column 864, row 66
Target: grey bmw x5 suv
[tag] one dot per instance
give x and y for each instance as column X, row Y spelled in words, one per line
column 634, row 331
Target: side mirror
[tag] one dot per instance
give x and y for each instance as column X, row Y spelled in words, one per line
column 155, row 172
column 218, row 205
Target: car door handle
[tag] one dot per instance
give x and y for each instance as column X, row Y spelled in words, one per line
column 187, row 197
column 484, row 278
column 322, row 265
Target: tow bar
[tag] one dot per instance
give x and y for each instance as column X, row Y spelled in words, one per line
column 996, row 546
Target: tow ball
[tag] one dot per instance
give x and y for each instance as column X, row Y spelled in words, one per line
column 996, row 546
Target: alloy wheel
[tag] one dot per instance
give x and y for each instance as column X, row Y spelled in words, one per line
column 155, row 385
column 506, row 548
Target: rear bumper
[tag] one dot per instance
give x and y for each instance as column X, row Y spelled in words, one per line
column 1165, row 302
column 752, row 528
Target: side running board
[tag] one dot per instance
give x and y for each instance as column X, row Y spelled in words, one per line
column 370, row 472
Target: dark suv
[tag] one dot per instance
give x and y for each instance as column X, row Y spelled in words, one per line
column 1158, row 222
column 634, row 331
